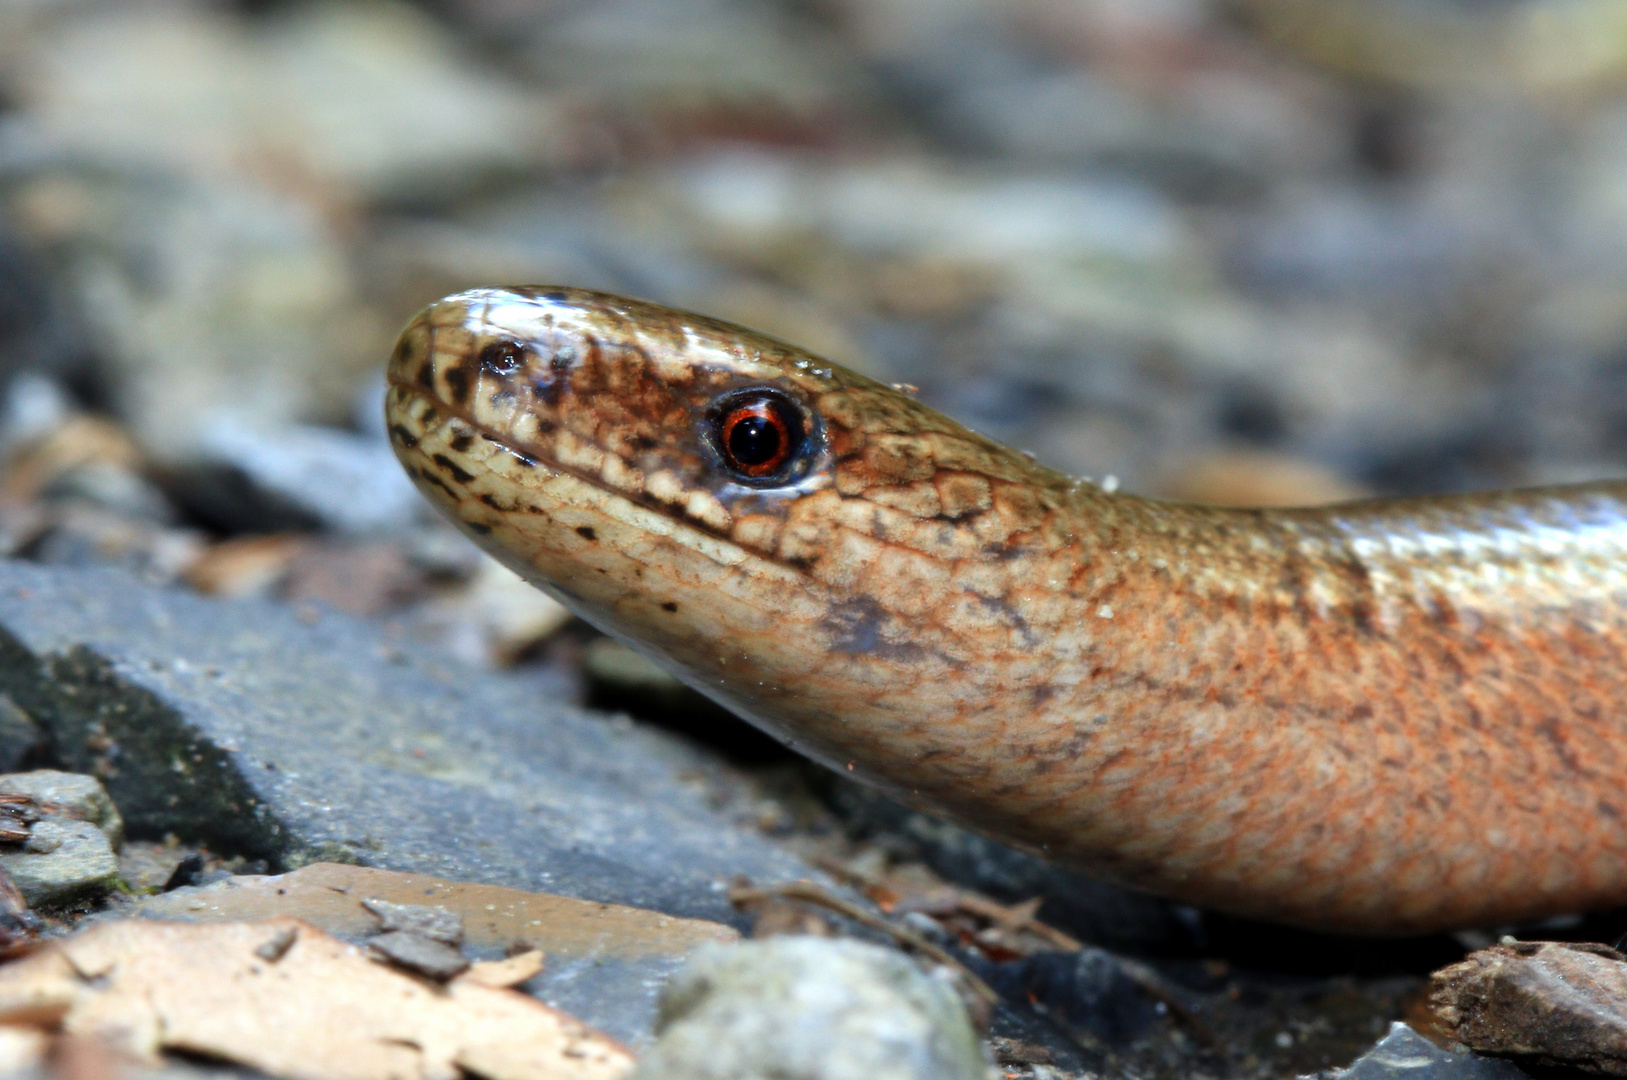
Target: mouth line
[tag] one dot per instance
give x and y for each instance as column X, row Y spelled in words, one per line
column 534, row 459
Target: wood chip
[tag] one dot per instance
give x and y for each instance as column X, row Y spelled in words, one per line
column 502, row 973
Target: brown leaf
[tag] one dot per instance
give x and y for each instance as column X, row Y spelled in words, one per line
column 320, row 1009
column 510, row 972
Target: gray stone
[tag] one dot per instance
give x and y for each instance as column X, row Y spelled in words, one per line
column 20, row 737
column 82, row 794
column 297, row 736
column 1404, row 1054
column 435, row 923
column 420, row 954
column 805, row 1008
column 63, row 860
column 349, row 483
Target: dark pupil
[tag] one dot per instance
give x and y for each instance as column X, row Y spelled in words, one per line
column 754, row 440
column 502, row 357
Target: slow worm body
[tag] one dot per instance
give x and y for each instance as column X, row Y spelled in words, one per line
column 1387, row 716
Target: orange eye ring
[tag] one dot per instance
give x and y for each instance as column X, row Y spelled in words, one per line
column 757, row 435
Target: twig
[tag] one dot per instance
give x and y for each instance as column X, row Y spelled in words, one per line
column 809, row 893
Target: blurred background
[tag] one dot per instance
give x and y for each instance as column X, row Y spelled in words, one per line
column 1233, row 250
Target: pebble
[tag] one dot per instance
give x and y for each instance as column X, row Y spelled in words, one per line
column 84, row 795
column 805, row 1008
column 64, row 860
column 419, row 953
column 1404, row 1054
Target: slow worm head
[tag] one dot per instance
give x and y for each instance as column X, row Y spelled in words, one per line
column 1389, row 716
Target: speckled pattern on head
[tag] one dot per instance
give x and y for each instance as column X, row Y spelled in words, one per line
column 1386, row 716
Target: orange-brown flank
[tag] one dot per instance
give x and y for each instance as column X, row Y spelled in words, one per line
column 1386, row 716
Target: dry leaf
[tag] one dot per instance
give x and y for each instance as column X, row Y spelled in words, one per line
column 511, row 972
column 320, row 1010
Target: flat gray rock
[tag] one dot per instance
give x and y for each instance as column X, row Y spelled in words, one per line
column 1404, row 1054
column 300, row 739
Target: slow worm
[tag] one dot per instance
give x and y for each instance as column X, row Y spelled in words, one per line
column 1387, row 716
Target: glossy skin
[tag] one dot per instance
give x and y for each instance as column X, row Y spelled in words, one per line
column 1386, row 717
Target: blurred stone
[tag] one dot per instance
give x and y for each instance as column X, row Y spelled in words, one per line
column 214, row 304
column 491, row 617
column 1254, row 478
column 1214, row 132
column 65, row 860
column 370, row 100
column 431, row 921
column 84, row 459
column 421, row 954
column 1089, row 990
column 663, row 70
column 613, row 664
column 349, row 483
column 803, row 1008
column 82, row 794
column 85, row 536
column 930, row 209
column 1403, row 1054
column 246, row 566
column 1543, row 1003
column 147, row 866
column 21, row 737
column 1538, row 45
column 361, row 579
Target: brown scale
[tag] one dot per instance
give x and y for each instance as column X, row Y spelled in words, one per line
column 1386, row 716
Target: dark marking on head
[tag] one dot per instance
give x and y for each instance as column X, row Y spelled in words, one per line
column 457, row 384
column 669, row 606
column 1000, row 606
column 403, row 349
column 1042, row 693
column 586, row 532
column 403, row 436
column 462, row 476
column 858, row 627
column 475, row 526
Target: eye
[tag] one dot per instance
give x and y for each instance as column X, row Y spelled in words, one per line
column 758, row 434
column 504, row 357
